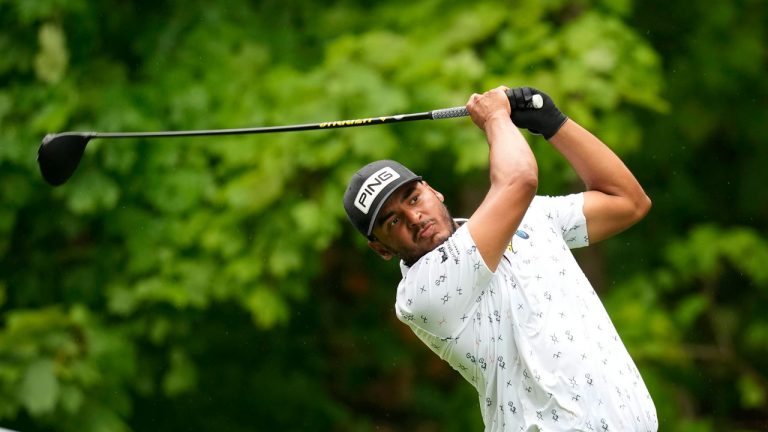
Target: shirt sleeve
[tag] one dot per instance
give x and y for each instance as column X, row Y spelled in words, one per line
column 438, row 293
column 566, row 213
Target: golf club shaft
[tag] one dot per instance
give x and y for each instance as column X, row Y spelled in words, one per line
column 59, row 154
column 458, row 111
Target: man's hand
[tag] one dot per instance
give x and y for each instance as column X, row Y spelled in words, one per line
column 493, row 103
column 545, row 121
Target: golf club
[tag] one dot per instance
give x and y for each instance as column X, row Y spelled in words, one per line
column 59, row 154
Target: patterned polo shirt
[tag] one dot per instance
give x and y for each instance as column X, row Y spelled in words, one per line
column 532, row 337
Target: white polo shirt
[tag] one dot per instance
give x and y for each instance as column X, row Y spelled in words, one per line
column 533, row 337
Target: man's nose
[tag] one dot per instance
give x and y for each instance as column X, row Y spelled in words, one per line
column 413, row 216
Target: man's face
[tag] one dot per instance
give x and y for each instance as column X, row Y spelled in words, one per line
column 412, row 222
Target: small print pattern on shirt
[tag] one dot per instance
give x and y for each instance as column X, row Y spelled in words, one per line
column 533, row 338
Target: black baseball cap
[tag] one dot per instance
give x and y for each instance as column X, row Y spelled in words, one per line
column 370, row 187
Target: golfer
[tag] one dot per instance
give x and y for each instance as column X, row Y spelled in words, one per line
column 499, row 296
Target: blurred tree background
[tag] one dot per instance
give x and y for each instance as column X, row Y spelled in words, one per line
column 215, row 284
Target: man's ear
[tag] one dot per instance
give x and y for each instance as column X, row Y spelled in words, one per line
column 437, row 194
column 380, row 249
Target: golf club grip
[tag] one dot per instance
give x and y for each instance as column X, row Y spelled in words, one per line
column 536, row 103
column 445, row 113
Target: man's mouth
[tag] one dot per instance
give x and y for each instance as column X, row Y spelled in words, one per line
column 427, row 230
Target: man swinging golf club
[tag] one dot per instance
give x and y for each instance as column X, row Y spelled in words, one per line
column 499, row 296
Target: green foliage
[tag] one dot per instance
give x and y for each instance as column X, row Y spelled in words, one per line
column 63, row 367
column 215, row 284
column 711, row 281
column 694, row 318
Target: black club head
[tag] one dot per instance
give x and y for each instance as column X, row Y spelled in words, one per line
column 59, row 155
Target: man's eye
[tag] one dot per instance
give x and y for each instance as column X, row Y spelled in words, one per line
column 393, row 222
column 414, row 199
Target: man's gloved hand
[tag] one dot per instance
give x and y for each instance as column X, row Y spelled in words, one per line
column 545, row 121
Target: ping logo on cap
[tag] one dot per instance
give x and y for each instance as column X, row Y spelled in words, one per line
column 372, row 186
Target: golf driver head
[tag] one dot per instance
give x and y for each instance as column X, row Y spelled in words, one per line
column 59, row 155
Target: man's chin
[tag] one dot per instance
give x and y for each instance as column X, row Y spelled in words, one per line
column 427, row 246
column 440, row 238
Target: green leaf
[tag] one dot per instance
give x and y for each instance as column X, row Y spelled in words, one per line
column 39, row 388
column 71, row 398
column 689, row 310
column 752, row 393
column 51, row 61
column 267, row 308
column 91, row 191
column 182, row 376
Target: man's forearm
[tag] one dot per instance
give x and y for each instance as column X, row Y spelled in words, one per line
column 509, row 153
column 614, row 199
column 597, row 165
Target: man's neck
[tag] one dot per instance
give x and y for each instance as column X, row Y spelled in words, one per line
column 457, row 222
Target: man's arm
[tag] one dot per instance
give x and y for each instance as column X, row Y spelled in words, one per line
column 513, row 173
column 614, row 199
